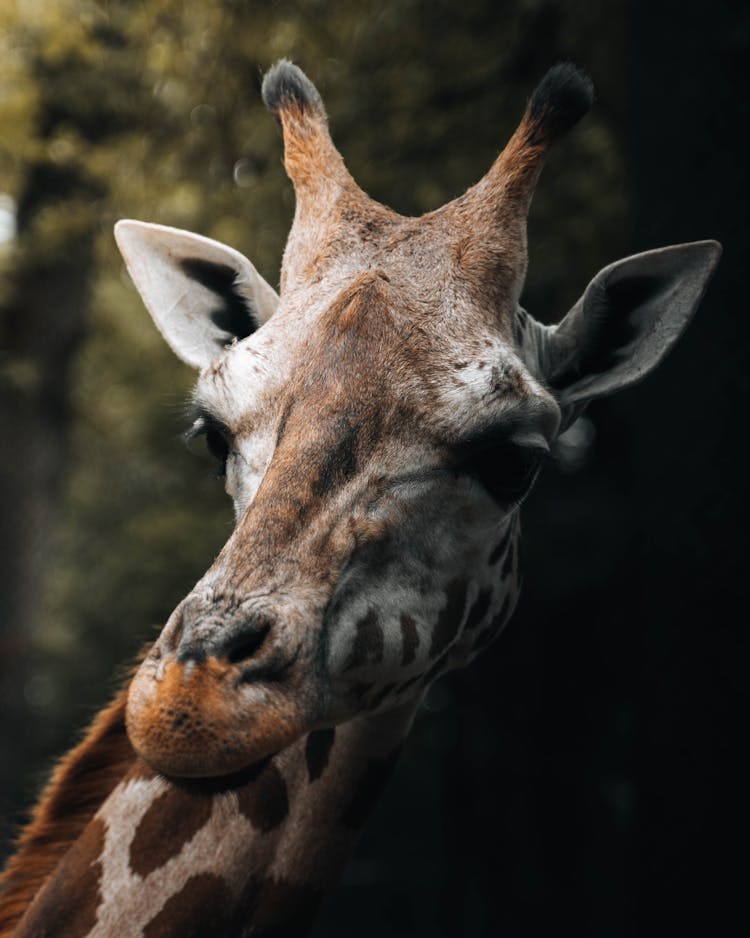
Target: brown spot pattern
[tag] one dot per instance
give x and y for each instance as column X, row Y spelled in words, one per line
column 410, row 638
column 264, row 801
column 449, row 620
column 340, row 462
column 171, row 821
column 368, row 643
column 202, row 908
column 266, row 908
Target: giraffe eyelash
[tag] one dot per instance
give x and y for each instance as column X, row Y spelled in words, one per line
column 217, row 434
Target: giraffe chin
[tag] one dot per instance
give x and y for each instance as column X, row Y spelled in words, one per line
column 198, row 721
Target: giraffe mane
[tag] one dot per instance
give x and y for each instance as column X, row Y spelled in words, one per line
column 79, row 784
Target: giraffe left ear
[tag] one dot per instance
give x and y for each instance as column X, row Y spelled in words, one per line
column 201, row 294
column 629, row 317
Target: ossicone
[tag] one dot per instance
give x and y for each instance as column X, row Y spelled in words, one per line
column 563, row 96
column 559, row 101
column 286, row 87
column 312, row 161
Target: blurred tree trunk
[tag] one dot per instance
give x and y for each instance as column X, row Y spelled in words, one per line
column 42, row 322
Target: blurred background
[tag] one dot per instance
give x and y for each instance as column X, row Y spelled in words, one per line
column 585, row 773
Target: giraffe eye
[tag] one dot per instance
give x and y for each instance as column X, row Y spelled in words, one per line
column 507, row 470
column 508, row 475
column 217, row 439
column 219, row 448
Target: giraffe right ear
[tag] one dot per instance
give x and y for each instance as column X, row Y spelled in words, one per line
column 200, row 293
column 627, row 320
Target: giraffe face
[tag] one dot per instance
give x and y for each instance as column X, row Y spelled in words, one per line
column 378, row 427
column 375, row 465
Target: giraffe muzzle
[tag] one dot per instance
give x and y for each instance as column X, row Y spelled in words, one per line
column 209, row 708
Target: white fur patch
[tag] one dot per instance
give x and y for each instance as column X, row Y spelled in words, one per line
column 129, row 902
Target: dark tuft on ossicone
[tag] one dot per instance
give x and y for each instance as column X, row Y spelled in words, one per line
column 560, row 100
column 285, row 85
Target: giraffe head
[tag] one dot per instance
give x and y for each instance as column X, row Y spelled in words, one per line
column 378, row 426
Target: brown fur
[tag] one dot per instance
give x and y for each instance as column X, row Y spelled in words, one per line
column 79, row 784
column 204, row 906
column 309, row 153
column 517, row 168
column 265, row 803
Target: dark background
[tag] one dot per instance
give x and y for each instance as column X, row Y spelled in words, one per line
column 585, row 774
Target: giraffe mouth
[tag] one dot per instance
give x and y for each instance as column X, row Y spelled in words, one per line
column 196, row 719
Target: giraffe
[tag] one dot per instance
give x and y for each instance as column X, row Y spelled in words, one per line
column 378, row 426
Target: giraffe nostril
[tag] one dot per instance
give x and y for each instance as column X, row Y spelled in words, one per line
column 247, row 642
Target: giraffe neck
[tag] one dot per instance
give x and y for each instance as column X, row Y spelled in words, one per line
column 114, row 849
column 245, row 855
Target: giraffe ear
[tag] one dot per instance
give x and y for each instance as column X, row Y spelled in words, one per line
column 200, row 293
column 629, row 317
